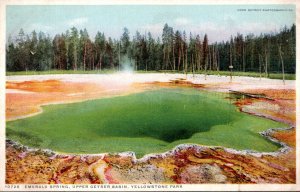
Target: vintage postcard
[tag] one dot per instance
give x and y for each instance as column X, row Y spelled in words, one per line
column 149, row 96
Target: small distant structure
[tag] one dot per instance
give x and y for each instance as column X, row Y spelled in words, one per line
column 230, row 67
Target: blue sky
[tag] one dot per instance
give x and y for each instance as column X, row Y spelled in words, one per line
column 219, row 22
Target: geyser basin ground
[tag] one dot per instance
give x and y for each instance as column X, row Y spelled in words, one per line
column 148, row 122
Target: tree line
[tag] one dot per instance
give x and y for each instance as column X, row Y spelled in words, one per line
column 175, row 50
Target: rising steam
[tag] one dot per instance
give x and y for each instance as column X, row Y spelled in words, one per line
column 126, row 64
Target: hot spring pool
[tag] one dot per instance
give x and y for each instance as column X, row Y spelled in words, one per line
column 148, row 122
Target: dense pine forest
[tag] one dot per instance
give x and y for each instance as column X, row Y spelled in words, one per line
column 174, row 51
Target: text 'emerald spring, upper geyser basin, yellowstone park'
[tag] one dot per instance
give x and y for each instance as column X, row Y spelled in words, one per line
column 148, row 122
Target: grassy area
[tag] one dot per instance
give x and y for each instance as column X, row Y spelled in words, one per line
column 148, row 122
column 106, row 71
column 10, row 73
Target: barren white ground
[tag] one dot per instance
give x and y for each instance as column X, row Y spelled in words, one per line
column 116, row 80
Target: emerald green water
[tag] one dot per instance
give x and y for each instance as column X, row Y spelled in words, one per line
column 148, row 122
